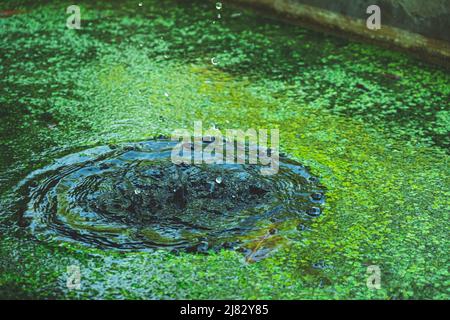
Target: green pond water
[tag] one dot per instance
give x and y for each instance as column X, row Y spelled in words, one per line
column 372, row 124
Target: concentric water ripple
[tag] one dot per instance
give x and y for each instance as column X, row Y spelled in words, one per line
column 131, row 196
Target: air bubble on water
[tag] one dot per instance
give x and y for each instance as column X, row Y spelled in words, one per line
column 314, row 211
column 218, row 5
column 316, row 196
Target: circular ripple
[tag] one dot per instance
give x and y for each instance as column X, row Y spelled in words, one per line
column 132, row 196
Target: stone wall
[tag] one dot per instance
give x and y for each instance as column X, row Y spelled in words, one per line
column 430, row 18
column 416, row 25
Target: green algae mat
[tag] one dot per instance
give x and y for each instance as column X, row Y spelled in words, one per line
column 371, row 124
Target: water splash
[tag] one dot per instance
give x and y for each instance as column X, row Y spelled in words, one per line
column 132, row 197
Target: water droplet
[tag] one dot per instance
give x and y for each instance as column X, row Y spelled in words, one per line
column 218, row 5
column 219, row 180
column 314, row 211
column 137, row 191
column 218, row 16
column 319, row 265
column 214, row 61
column 166, row 94
column 313, row 180
column 316, row 196
column 140, row 4
column 203, row 246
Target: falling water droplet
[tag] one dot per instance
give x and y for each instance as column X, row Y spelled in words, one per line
column 219, row 180
column 166, row 94
column 214, row 61
column 218, row 16
column 218, row 5
column 140, row 4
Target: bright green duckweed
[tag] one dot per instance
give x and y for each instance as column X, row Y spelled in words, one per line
column 373, row 124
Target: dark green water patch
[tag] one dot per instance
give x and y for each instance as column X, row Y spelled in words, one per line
column 133, row 197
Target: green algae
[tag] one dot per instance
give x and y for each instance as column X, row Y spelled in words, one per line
column 372, row 124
